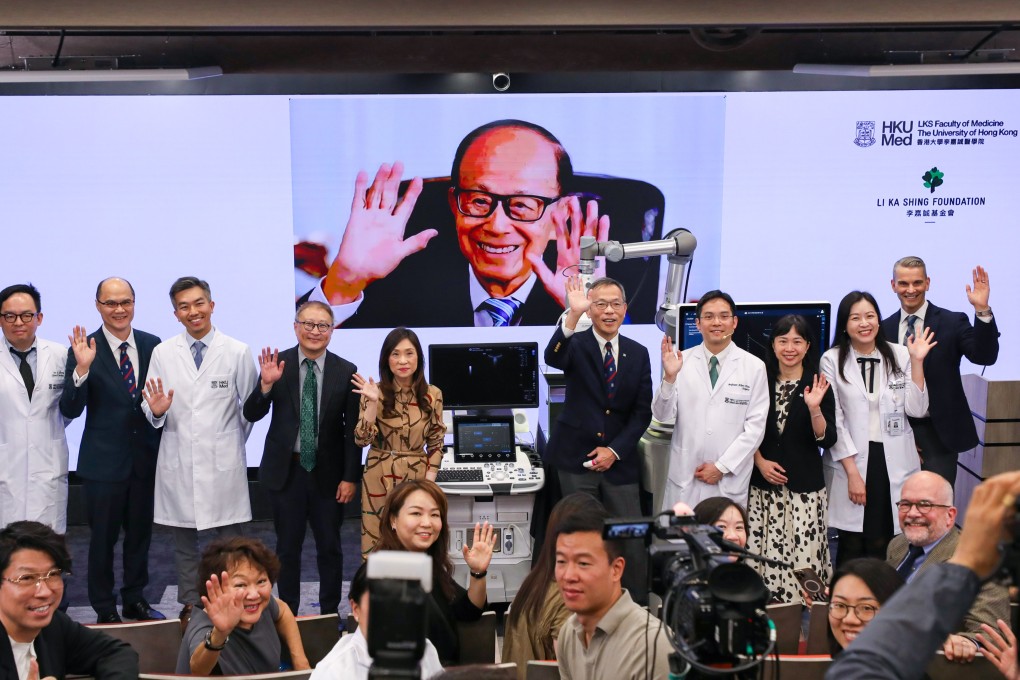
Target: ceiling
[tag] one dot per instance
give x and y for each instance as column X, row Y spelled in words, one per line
column 526, row 36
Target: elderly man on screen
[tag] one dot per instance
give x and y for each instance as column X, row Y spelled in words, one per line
column 929, row 537
column 507, row 201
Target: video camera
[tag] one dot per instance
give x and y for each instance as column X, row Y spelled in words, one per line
column 398, row 585
column 714, row 606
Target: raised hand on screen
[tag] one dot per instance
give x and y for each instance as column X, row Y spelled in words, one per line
column 570, row 224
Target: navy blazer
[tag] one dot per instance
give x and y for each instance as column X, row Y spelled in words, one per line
column 337, row 457
column 796, row 449
column 947, row 403
column 67, row 647
column 117, row 437
column 589, row 418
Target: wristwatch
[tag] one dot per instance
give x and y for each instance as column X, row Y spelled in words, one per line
column 984, row 314
column 210, row 646
column 479, row 574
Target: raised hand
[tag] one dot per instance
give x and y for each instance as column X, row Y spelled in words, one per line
column 978, row 295
column 223, row 605
column 270, row 366
column 577, row 296
column 84, row 349
column 158, row 401
column 919, row 345
column 568, row 242
column 672, row 360
column 373, row 243
column 366, row 388
column 1000, row 649
column 479, row 554
column 814, row 393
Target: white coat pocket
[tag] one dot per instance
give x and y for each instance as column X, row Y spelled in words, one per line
column 229, row 450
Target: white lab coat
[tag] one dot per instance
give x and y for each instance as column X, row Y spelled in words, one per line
column 897, row 394
column 33, row 448
column 201, row 473
column 723, row 424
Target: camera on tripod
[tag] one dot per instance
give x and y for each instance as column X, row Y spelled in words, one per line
column 714, row 606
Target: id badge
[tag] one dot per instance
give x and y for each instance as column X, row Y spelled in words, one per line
column 894, row 423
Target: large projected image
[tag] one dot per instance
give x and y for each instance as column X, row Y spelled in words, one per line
column 502, row 190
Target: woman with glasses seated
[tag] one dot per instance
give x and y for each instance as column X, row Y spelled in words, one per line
column 401, row 419
column 239, row 629
column 859, row 589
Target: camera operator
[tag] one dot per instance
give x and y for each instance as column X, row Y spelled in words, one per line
column 608, row 635
column 911, row 620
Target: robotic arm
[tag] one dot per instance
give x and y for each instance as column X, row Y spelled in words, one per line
column 678, row 247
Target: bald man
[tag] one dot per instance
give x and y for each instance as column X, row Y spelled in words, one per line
column 929, row 536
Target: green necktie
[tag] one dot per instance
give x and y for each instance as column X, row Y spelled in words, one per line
column 713, row 369
column 309, row 417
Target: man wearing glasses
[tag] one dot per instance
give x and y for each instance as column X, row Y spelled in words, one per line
column 117, row 458
column 40, row 641
column 929, row 536
column 717, row 397
column 507, row 202
column 311, row 464
column 33, row 449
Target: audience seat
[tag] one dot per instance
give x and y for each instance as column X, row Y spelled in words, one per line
column 797, row 667
column 478, row 640
column 319, row 634
column 787, row 619
column 157, row 642
column 978, row 669
column 818, row 629
column 543, row 670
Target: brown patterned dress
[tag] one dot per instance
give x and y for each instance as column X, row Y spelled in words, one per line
column 404, row 445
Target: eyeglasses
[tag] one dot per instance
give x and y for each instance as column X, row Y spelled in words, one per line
column 709, row 318
column 863, row 612
column 114, row 304
column 520, row 207
column 311, row 326
column 51, row 578
column 923, row 507
column 26, row 317
column 601, row 305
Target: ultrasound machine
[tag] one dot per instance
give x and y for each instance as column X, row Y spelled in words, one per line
column 490, row 470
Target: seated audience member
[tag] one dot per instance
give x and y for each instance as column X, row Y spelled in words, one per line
column 929, row 537
column 859, row 589
column 537, row 612
column 999, row 646
column 608, row 635
column 414, row 519
column 40, row 641
column 921, row 615
column 240, row 625
column 726, row 515
column 349, row 659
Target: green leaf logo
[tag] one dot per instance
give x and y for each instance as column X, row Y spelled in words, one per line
column 932, row 179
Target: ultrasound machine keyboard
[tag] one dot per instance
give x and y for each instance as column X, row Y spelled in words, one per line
column 459, row 475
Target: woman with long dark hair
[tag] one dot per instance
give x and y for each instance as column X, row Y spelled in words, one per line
column 414, row 518
column 877, row 385
column 401, row 419
column 788, row 503
column 537, row 612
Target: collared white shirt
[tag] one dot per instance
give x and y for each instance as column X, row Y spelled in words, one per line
column 480, row 295
column 32, row 358
column 918, row 325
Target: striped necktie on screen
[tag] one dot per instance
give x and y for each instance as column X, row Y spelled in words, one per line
column 501, row 310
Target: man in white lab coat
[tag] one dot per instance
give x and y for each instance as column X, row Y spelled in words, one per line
column 717, row 396
column 201, row 474
column 33, row 450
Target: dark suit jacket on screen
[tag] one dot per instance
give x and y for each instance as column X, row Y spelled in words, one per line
column 117, row 437
column 67, row 647
column 337, row 457
column 947, row 403
column 589, row 418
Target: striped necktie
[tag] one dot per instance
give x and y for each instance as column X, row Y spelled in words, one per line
column 911, row 325
column 309, row 417
column 127, row 371
column 501, row 310
column 609, row 370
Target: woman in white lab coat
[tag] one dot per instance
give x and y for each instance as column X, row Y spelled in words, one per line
column 876, row 385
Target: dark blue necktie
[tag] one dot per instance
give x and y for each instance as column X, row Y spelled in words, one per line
column 609, row 370
column 127, row 371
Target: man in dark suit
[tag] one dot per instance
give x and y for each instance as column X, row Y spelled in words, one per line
column 507, row 200
column 929, row 536
column 949, row 427
column 607, row 407
column 117, row 457
column 33, row 558
column 310, row 464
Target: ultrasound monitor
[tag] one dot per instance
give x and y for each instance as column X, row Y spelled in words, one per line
column 483, row 439
column 499, row 375
column 754, row 324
